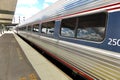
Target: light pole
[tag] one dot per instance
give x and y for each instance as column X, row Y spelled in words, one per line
column 23, row 18
column 19, row 19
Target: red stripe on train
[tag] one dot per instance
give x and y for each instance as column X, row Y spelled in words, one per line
column 66, row 64
column 94, row 9
column 116, row 8
column 57, row 18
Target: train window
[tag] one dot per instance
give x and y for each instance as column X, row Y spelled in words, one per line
column 44, row 28
column 29, row 28
column 68, row 27
column 36, row 28
column 22, row 28
column 48, row 27
column 91, row 27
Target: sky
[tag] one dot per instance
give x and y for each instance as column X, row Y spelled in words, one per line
column 27, row 8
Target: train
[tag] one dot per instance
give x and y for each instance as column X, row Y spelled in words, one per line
column 84, row 35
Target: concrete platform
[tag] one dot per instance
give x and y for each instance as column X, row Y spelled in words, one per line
column 44, row 68
column 25, row 63
column 13, row 63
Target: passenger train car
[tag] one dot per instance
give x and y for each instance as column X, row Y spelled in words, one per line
column 84, row 35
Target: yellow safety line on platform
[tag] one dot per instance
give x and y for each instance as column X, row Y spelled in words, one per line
column 32, row 77
column 19, row 53
column 23, row 78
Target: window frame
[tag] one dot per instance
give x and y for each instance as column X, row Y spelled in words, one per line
column 88, row 40
column 29, row 28
column 73, row 30
column 47, row 28
column 38, row 27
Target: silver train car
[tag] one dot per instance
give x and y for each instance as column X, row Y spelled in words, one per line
column 84, row 35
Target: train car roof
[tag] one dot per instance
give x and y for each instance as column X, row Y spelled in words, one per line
column 67, row 7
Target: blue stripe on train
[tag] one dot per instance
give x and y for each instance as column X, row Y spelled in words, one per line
column 112, row 31
column 78, row 3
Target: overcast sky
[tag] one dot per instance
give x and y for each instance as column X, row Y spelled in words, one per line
column 27, row 8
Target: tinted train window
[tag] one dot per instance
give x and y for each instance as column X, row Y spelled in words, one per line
column 44, row 28
column 89, row 27
column 22, row 28
column 68, row 27
column 92, row 27
column 29, row 28
column 36, row 28
column 48, row 27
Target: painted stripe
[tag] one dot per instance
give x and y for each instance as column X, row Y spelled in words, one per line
column 103, row 8
column 95, row 9
column 32, row 76
column 84, row 47
column 66, row 64
column 23, row 78
column 98, row 64
column 104, row 59
column 114, row 9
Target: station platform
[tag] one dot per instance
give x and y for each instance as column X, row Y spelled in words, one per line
column 19, row 61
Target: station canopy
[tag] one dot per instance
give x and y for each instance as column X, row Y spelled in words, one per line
column 7, row 9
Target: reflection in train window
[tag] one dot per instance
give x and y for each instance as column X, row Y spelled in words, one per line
column 29, row 28
column 89, row 27
column 22, row 28
column 44, row 28
column 68, row 27
column 92, row 27
column 36, row 28
column 48, row 27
